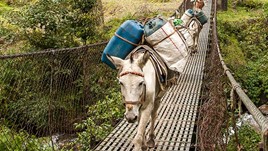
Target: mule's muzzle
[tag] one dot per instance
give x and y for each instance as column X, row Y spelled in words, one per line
column 131, row 117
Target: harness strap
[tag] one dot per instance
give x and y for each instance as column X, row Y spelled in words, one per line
column 131, row 72
column 124, row 39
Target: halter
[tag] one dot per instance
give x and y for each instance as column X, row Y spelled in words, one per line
column 131, row 72
column 144, row 92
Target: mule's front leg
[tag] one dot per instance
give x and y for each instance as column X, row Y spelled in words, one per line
column 194, row 49
column 140, row 136
column 151, row 142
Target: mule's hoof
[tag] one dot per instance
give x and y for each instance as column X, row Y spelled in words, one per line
column 137, row 149
column 144, row 148
column 151, row 143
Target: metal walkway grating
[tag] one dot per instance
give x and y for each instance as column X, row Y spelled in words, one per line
column 177, row 113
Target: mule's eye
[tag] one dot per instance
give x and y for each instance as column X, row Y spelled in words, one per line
column 121, row 83
column 141, row 83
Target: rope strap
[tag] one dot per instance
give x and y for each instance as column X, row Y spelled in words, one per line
column 124, row 39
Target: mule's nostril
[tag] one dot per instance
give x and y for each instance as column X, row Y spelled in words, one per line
column 131, row 117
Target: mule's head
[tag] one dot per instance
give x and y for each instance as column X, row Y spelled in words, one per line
column 133, row 85
column 199, row 4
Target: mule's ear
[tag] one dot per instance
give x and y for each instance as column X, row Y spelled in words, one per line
column 118, row 62
column 143, row 60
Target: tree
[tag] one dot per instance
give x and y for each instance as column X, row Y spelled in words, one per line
column 55, row 24
column 44, row 24
column 222, row 4
column 88, row 17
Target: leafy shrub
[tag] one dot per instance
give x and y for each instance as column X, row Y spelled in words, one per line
column 243, row 40
column 10, row 140
column 248, row 138
column 102, row 117
column 45, row 92
column 250, row 4
column 45, row 24
column 3, row 8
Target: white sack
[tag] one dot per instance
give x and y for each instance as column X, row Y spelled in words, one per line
column 170, row 45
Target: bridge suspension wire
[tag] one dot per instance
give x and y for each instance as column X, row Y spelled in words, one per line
column 43, row 94
column 251, row 107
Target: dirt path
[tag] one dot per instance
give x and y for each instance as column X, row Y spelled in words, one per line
column 121, row 8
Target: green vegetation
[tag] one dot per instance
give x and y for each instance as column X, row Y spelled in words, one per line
column 4, row 7
column 42, row 95
column 243, row 40
column 11, row 140
column 248, row 138
column 242, row 32
column 103, row 116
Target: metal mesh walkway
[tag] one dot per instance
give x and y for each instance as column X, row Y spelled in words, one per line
column 175, row 125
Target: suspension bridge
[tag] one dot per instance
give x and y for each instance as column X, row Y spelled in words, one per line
column 176, row 126
column 176, row 122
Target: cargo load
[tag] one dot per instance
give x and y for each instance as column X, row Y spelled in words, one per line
column 198, row 13
column 167, row 42
column 188, row 14
column 126, row 38
column 201, row 17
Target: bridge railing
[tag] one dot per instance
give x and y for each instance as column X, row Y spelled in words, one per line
column 236, row 88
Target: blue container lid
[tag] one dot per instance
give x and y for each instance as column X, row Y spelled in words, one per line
column 190, row 11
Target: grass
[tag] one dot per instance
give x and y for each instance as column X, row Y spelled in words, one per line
column 121, row 8
column 240, row 14
column 4, row 7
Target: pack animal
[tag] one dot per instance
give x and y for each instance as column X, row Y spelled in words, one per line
column 193, row 26
column 141, row 94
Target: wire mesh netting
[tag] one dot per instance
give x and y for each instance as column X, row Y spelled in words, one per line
column 43, row 94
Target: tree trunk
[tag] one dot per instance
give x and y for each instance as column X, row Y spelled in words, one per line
column 224, row 5
column 98, row 12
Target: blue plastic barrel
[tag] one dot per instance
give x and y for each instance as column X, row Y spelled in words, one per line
column 153, row 25
column 202, row 17
column 188, row 14
column 126, row 38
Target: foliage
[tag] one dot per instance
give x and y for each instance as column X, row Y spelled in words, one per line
column 102, row 117
column 56, row 24
column 7, row 31
column 44, row 24
column 248, row 138
column 85, row 18
column 18, row 3
column 251, row 4
column 4, row 8
column 21, row 95
column 11, row 140
column 112, row 25
column 34, row 89
column 243, row 37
